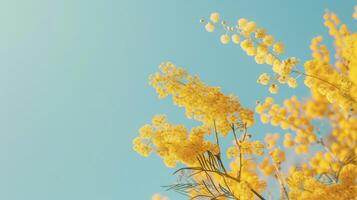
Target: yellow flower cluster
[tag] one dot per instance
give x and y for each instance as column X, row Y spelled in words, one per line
column 324, row 163
column 339, row 32
column 256, row 42
column 335, row 87
column 349, row 54
column 290, row 116
column 319, row 51
column 328, row 168
column 246, row 147
column 277, row 156
column 173, row 143
column 344, row 139
column 271, row 140
column 249, row 178
column 317, row 107
column 336, row 82
column 303, row 185
column 203, row 103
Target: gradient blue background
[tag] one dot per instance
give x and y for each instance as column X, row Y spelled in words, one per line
column 73, row 85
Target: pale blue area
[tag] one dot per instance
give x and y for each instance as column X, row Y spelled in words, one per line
column 73, row 85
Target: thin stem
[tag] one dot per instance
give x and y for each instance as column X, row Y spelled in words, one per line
column 238, row 142
column 216, row 134
column 281, row 180
column 240, row 152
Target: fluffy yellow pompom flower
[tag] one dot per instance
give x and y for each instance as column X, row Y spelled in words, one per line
column 215, row 17
column 264, row 79
column 273, row 89
column 268, row 40
column 278, row 48
column 278, row 156
column 262, row 49
column 292, row 82
column 302, row 149
column 209, row 27
column 264, row 118
column 235, row 38
column 288, row 141
column 260, row 33
column 250, row 27
column 271, row 140
column 242, row 22
column 225, row 39
column 259, row 59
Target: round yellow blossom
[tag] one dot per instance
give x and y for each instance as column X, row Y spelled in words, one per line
column 292, row 82
column 273, row 89
column 235, row 38
column 312, row 138
column 225, row 39
column 264, row 118
column 288, row 141
column 278, row 48
column 251, row 51
column 242, row 22
column 264, row 79
column 301, row 149
column 259, row 59
column 284, row 124
column 269, row 100
column 268, row 40
column 262, row 49
column 209, row 27
column 268, row 170
column 269, row 59
column 260, row 33
column 278, row 156
column 283, row 79
column 271, row 140
column 245, row 44
column 250, row 27
column 215, row 17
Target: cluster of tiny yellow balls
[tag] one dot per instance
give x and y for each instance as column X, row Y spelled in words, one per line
column 173, row 143
column 329, row 170
column 202, row 102
column 256, row 42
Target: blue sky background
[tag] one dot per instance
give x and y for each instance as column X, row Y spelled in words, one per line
column 74, row 91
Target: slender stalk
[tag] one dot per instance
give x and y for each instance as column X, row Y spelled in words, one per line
column 281, row 181
column 240, row 149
